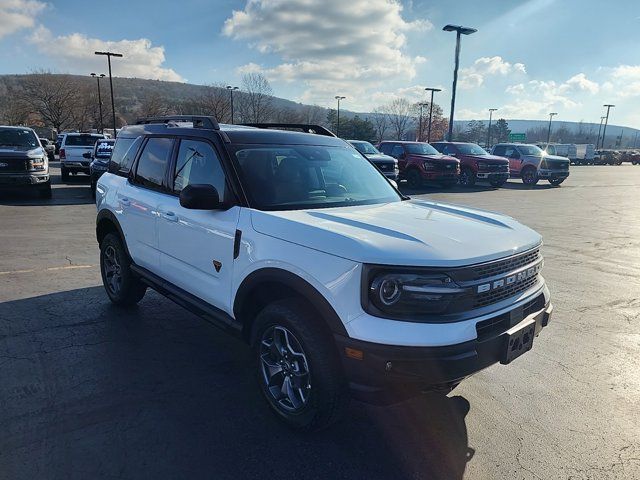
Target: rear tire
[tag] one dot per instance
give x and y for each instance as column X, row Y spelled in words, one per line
column 529, row 176
column 414, row 179
column 297, row 367
column 556, row 181
column 123, row 288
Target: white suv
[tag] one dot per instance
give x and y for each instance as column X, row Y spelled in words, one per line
column 294, row 242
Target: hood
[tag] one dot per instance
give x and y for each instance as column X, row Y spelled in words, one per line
column 21, row 152
column 556, row 157
column 438, row 157
column 488, row 158
column 413, row 232
column 380, row 157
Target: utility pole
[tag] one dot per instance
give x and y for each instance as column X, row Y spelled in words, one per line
column 599, row 130
column 231, row 89
column 338, row 98
column 419, row 136
column 460, row 30
column 432, row 90
column 98, row 77
column 606, row 121
column 491, row 110
column 113, row 106
column 551, row 115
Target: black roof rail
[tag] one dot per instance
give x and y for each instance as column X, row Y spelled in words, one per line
column 199, row 121
column 304, row 127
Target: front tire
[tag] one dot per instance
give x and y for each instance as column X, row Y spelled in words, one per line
column 122, row 287
column 297, row 367
column 467, row 178
column 530, row 176
column 556, row 181
column 414, row 179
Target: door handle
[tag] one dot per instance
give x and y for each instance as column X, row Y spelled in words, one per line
column 170, row 216
column 125, row 201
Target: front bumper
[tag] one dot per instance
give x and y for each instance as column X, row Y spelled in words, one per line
column 491, row 176
column 388, row 373
column 18, row 179
column 75, row 166
column 545, row 173
column 391, row 175
column 440, row 177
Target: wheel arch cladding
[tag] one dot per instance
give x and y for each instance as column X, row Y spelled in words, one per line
column 266, row 285
column 106, row 222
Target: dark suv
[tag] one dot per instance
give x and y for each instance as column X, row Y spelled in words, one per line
column 385, row 163
column 419, row 163
column 476, row 163
column 23, row 161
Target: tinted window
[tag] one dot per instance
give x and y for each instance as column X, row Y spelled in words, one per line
column 386, row 148
column 123, row 155
column 81, row 140
column 421, row 149
column 153, row 162
column 397, row 151
column 511, row 152
column 529, row 150
column 198, row 162
column 448, row 150
column 438, row 146
column 499, row 150
column 365, row 148
column 472, row 149
column 18, row 137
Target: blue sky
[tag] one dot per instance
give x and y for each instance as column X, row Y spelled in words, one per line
column 527, row 59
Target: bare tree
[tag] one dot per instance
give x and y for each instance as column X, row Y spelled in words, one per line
column 14, row 111
column 153, row 105
column 52, row 97
column 312, row 114
column 287, row 115
column 380, row 121
column 216, row 101
column 399, row 111
column 256, row 99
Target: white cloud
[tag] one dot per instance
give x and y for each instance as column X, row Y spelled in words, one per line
column 581, row 82
column 329, row 46
column 624, row 81
column 76, row 52
column 18, row 14
column 474, row 76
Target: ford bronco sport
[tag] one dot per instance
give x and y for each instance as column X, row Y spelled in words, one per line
column 295, row 243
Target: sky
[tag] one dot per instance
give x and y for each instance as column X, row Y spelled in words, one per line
column 527, row 59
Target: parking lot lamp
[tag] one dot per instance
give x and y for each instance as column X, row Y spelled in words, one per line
column 606, row 121
column 98, row 77
column 551, row 115
column 432, row 90
column 599, row 130
column 491, row 110
column 338, row 98
column 113, row 106
column 419, row 136
column 460, row 30
column 231, row 89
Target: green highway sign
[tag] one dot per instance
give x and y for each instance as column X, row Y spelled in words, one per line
column 518, row 137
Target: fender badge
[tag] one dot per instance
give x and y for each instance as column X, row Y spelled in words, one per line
column 217, row 265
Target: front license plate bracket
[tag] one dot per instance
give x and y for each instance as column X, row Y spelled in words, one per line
column 519, row 340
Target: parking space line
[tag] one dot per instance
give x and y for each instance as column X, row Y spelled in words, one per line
column 49, row 269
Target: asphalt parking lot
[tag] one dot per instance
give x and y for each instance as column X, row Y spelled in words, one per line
column 89, row 391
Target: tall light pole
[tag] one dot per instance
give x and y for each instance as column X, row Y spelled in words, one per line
column 231, row 89
column 98, row 77
column 606, row 121
column 599, row 130
column 551, row 115
column 338, row 98
column 460, row 30
column 419, row 136
column 113, row 106
column 432, row 90
column 491, row 110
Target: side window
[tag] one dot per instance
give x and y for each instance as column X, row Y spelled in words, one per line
column 198, row 162
column 397, row 151
column 500, row 150
column 511, row 152
column 449, row 149
column 153, row 162
column 123, row 154
column 385, row 148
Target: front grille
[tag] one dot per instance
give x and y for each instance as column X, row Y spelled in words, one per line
column 557, row 165
column 496, row 167
column 446, row 166
column 487, row 298
column 13, row 165
column 504, row 266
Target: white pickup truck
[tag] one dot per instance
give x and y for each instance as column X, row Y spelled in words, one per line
column 72, row 152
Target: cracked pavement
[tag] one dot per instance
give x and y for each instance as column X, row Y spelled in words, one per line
column 91, row 391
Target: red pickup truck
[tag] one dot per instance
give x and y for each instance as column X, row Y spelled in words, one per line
column 420, row 163
column 476, row 163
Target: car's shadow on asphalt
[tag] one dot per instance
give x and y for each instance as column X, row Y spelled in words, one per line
column 89, row 390
column 74, row 191
column 478, row 187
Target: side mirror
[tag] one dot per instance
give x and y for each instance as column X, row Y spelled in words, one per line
column 200, row 197
column 86, row 155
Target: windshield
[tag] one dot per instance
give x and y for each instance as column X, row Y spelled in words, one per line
column 82, row 140
column 421, row 149
column 471, row 149
column 365, row 148
column 301, row 176
column 18, row 137
column 530, row 150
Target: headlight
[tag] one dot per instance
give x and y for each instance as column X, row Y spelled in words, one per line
column 399, row 294
column 36, row 163
column 429, row 166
